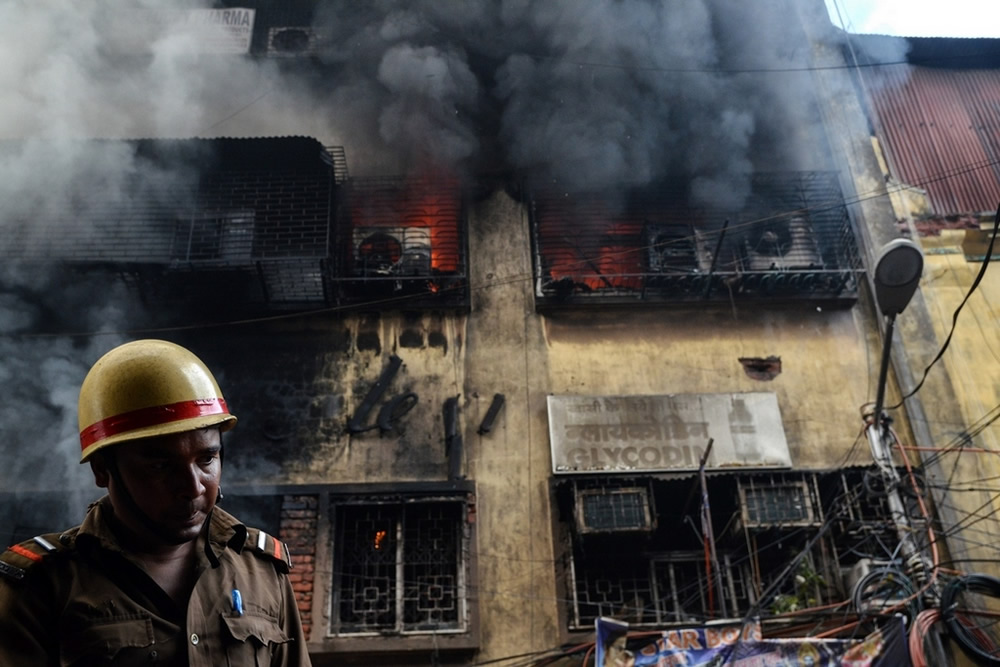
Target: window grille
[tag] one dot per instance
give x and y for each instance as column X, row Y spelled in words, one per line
column 659, row 576
column 399, row 568
column 612, row 510
column 792, row 239
column 648, row 589
column 683, row 584
column 224, row 236
column 777, row 501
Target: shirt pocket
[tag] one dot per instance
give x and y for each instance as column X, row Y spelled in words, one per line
column 254, row 637
column 107, row 640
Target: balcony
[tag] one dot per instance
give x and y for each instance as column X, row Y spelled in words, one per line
column 792, row 241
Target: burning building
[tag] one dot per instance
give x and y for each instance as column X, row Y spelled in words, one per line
column 522, row 307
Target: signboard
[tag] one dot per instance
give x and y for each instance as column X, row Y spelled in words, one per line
column 744, row 647
column 597, row 434
column 219, row 31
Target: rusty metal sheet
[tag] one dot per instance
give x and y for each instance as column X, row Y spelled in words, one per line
column 940, row 129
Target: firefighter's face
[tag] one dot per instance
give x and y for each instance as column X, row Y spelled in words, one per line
column 172, row 479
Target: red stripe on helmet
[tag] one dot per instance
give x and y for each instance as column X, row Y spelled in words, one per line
column 154, row 416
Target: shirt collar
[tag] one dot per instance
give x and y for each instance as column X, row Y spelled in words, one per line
column 223, row 530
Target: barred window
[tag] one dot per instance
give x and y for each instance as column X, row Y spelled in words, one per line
column 656, row 588
column 399, row 567
column 644, row 560
column 790, row 240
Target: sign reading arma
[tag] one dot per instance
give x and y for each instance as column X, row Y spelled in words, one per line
column 592, row 434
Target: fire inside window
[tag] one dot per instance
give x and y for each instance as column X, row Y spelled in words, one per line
column 404, row 229
column 791, row 238
column 398, row 568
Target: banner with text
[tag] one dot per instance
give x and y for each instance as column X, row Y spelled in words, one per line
column 593, row 434
column 731, row 646
column 207, row 31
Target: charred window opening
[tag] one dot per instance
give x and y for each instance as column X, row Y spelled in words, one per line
column 290, row 41
column 653, row 572
column 400, row 567
column 761, row 368
column 791, row 240
column 402, row 239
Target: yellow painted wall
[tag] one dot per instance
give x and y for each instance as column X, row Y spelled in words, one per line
column 972, row 362
column 829, row 364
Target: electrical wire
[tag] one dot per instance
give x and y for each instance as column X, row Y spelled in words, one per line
column 956, row 612
column 954, row 320
column 918, row 634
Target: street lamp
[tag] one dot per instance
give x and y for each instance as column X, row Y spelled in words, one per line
column 897, row 274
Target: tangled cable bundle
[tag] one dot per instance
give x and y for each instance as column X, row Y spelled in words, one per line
column 918, row 632
column 963, row 621
column 883, row 589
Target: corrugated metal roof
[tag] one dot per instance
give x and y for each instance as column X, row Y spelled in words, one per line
column 940, row 130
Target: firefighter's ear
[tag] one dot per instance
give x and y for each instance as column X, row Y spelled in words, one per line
column 99, row 466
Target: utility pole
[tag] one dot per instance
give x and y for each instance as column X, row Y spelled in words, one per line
column 896, row 277
column 712, row 569
column 881, row 453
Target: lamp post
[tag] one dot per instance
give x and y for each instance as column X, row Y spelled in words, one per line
column 897, row 275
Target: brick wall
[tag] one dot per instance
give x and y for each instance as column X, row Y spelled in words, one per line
column 298, row 531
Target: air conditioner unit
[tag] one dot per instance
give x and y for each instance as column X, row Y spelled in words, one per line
column 613, row 510
column 292, row 41
column 774, row 505
column 392, row 251
column 781, row 245
column 673, row 249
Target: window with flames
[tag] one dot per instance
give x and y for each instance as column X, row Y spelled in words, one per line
column 402, row 239
column 399, row 567
column 792, row 238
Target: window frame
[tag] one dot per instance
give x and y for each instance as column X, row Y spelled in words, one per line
column 625, row 572
column 398, row 585
column 457, row 644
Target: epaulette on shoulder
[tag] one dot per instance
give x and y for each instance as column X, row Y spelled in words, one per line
column 270, row 547
column 19, row 558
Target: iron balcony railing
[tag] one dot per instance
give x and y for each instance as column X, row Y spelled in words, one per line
column 272, row 223
column 791, row 240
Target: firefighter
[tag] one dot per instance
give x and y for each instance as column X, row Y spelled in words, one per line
column 156, row 573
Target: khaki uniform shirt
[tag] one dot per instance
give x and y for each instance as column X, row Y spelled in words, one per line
column 77, row 599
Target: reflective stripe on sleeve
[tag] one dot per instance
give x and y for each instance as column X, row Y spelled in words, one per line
column 21, row 551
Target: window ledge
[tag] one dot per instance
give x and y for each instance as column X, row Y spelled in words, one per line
column 334, row 650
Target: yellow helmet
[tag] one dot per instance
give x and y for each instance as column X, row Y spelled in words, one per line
column 147, row 388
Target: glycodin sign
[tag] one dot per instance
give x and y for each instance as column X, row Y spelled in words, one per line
column 593, row 434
